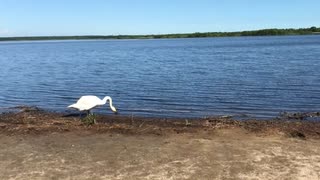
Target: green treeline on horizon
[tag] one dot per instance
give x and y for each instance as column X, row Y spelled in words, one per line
column 262, row 32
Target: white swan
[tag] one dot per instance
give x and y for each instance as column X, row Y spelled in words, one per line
column 86, row 103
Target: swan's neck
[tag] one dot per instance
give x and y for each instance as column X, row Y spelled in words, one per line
column 108, row 98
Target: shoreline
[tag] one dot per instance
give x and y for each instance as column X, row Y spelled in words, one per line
column 261, row 32
column 27, row 39
column 281, row 115
column 32, row 120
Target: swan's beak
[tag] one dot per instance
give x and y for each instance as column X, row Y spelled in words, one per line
column 114, row 110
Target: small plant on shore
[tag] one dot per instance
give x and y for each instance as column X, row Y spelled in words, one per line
column 90, row 119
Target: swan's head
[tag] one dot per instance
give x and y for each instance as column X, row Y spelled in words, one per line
column 113, row 109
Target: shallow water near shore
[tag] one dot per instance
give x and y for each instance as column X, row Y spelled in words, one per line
column 246, row 76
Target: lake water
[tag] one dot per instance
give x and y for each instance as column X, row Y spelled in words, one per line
column 254, row 76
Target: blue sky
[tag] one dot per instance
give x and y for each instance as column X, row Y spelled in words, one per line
column 113, row 17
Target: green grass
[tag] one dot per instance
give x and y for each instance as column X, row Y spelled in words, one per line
column 90, row 119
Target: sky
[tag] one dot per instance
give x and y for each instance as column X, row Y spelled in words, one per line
column 115, row 17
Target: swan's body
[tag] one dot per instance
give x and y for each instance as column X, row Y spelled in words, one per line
column 86, row 103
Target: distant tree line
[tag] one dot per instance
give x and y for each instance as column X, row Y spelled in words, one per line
column 262, row 32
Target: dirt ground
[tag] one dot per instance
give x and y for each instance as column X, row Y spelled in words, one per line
column 41, row 145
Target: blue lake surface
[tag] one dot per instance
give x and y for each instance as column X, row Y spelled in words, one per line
column 254, row 76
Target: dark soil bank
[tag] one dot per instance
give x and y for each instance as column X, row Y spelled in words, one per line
column 41, row 145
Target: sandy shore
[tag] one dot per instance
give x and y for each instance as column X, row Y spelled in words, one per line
column 42, row 145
